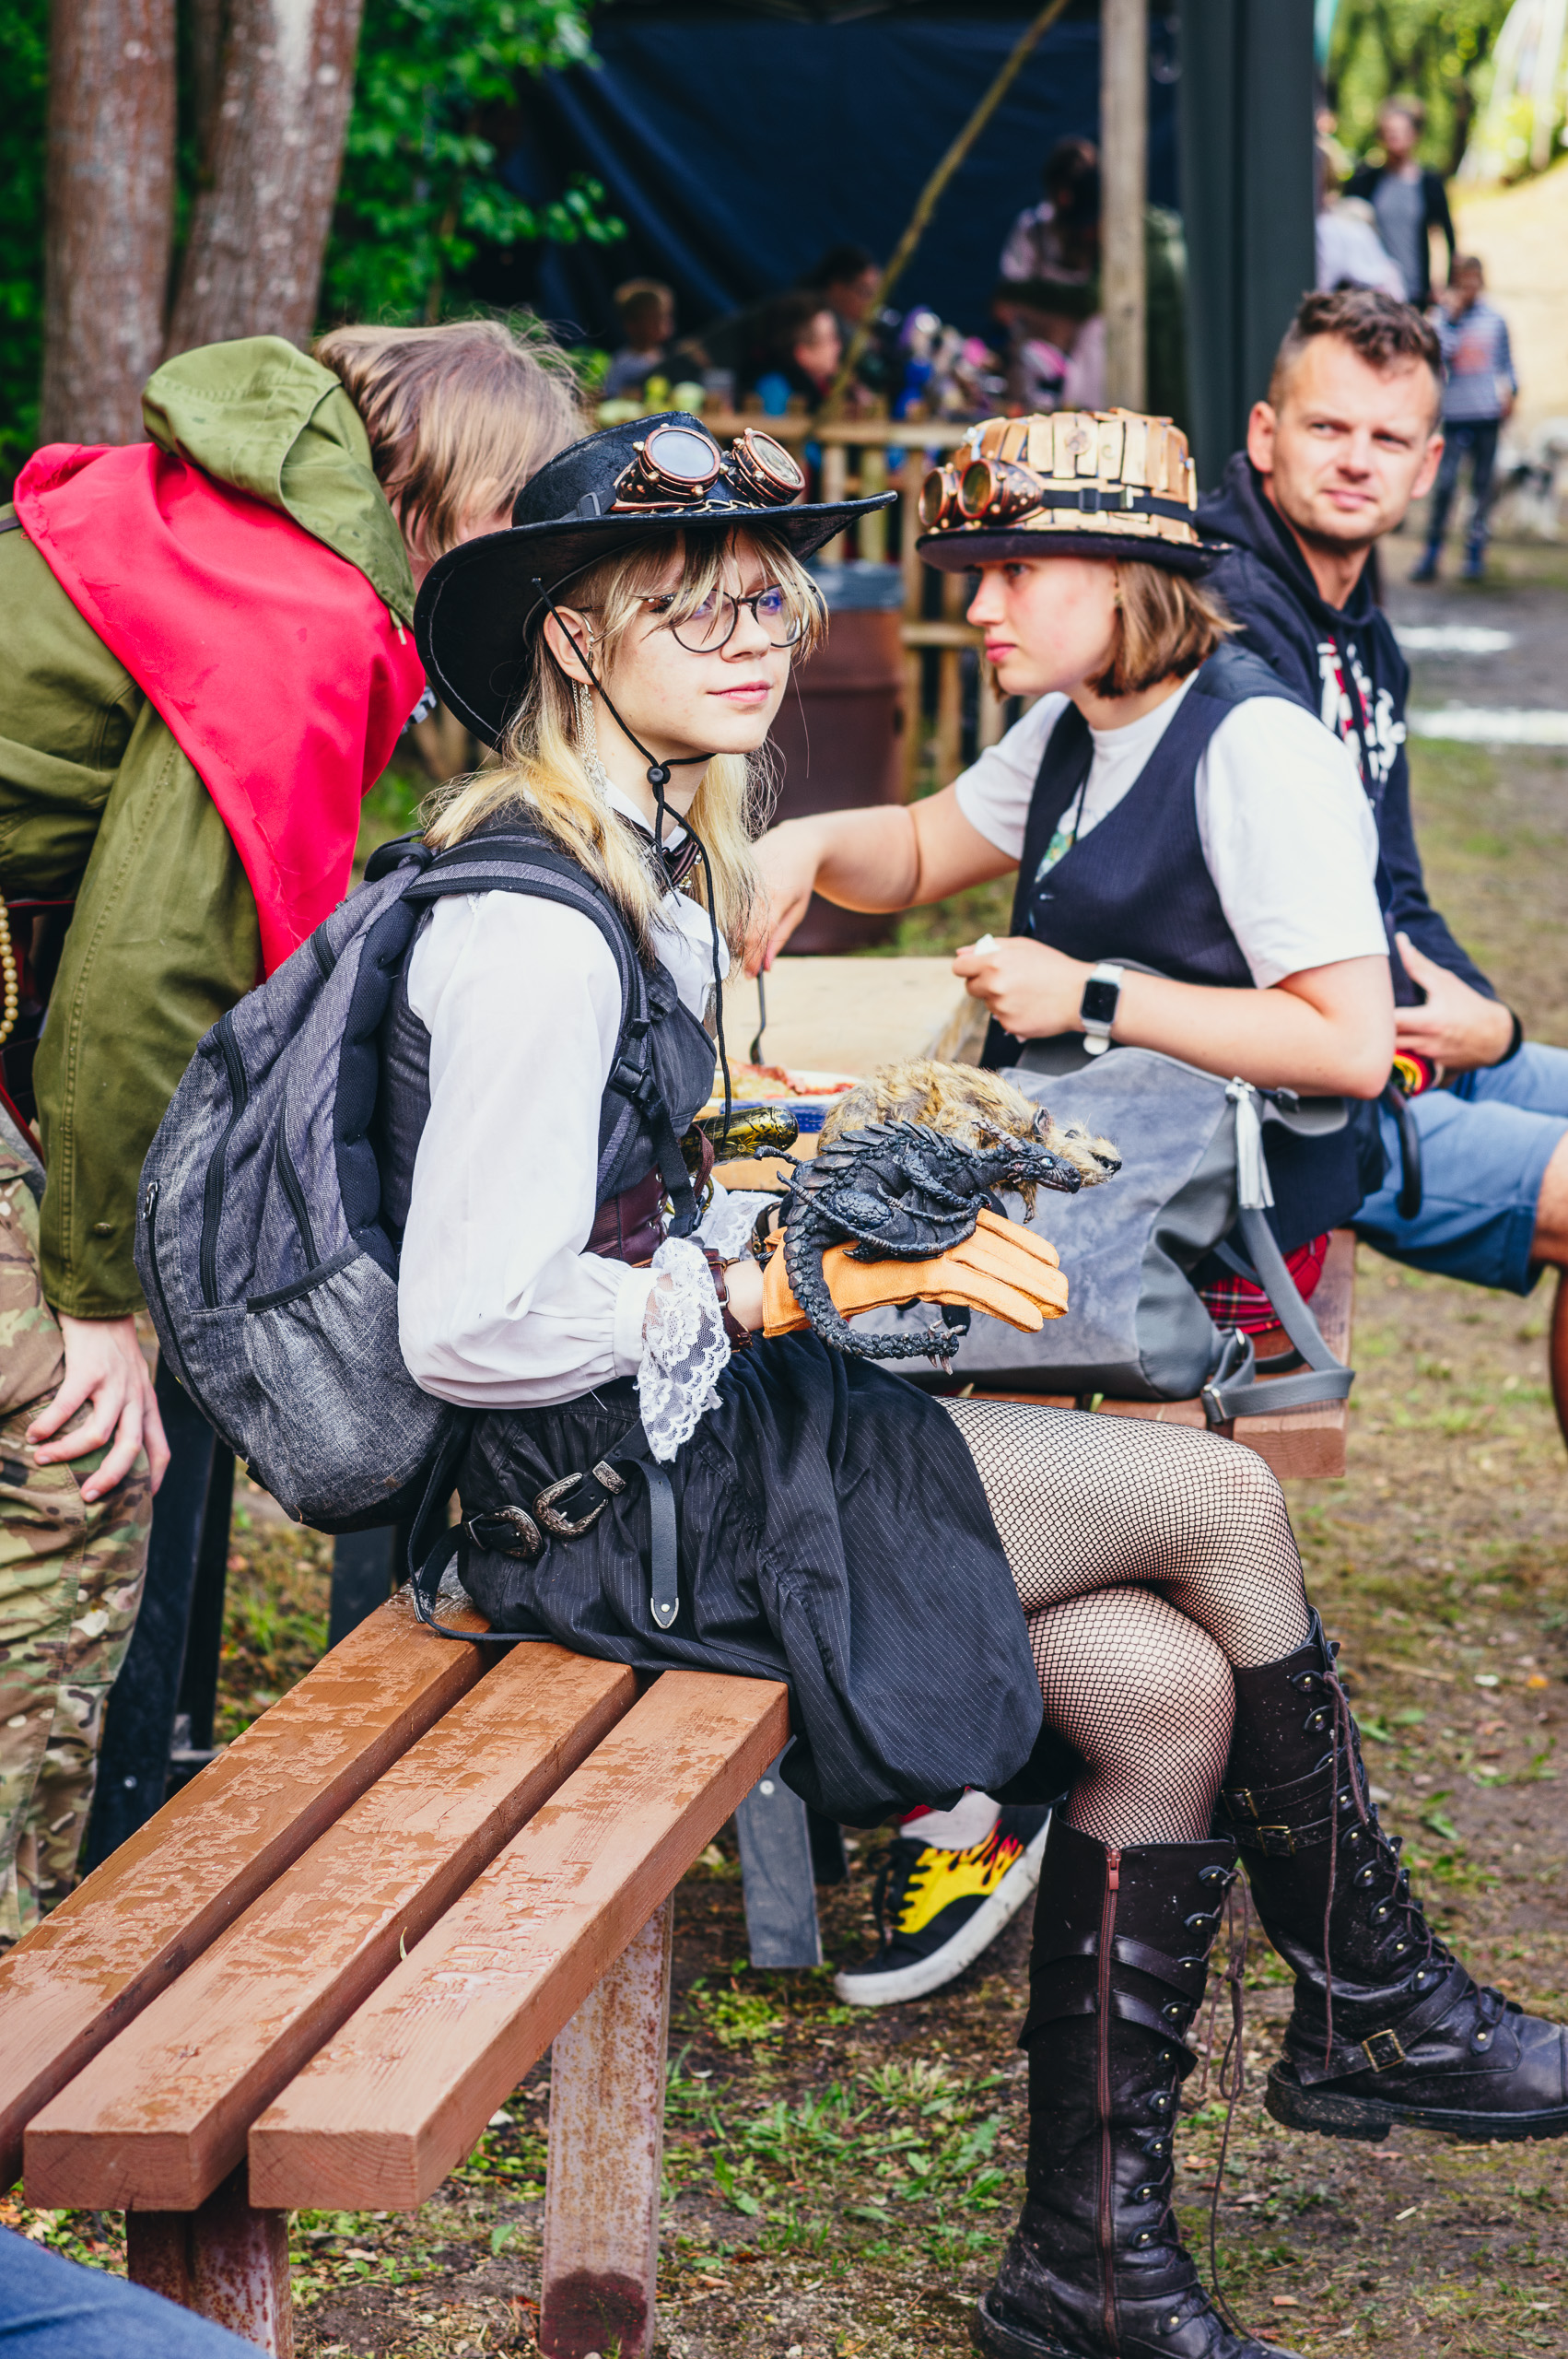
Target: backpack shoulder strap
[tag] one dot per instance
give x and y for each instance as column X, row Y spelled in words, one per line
column 520, row 861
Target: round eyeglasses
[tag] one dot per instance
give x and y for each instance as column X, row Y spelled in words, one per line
column 712, row 624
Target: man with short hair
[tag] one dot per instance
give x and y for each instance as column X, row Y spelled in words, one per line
column 1347, row 437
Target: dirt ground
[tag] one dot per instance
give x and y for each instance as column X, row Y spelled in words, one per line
column 839, row 2183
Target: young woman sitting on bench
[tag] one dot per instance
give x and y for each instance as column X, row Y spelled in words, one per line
column 923, row 1573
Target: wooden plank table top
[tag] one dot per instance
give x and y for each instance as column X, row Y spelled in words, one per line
column 141, row 1917
column 402, row 2093
column 159, row 2118
column 843, row 1014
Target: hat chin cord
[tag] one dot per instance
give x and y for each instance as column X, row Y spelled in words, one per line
column 659, row 779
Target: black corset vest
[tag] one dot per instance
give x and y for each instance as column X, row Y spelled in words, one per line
column 1136, row 889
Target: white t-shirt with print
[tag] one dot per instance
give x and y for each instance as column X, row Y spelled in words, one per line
column 1286, row 830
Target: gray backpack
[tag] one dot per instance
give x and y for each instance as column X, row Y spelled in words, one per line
column 1194, row 1175
column 261, row 1242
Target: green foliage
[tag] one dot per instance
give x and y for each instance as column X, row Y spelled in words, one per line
column 24, row 76
column 1437, row 51
column 419, row 195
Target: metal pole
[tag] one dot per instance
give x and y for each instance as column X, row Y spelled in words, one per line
column 1123, row 166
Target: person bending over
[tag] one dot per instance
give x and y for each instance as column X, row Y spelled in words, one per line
column 1347, row 437
column 206, row 661
column 1122, row 1605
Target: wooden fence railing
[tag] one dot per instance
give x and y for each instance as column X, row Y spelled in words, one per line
column 855, row 461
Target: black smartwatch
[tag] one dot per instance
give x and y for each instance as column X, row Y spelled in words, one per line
column 1102, row 996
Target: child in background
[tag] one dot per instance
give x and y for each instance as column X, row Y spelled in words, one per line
column 646, row 309
column 1479, row 395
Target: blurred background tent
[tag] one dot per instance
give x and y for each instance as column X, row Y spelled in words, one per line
column 739, row 140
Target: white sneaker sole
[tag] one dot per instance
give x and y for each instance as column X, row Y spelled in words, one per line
column 981, row 1931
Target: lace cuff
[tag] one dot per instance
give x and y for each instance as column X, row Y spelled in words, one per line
column 731, row 1216
column 684, row 1349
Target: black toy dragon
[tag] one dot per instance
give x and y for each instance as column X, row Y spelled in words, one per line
column 902, row 1191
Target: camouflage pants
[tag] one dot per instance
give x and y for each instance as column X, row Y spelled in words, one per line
column 70, row 1584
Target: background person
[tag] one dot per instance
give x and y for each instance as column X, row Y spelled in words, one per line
column 1408, row 198
column 646, row 308
column 799, row 348
column 206, row 657
column 1479, row 394
column 1348, row 436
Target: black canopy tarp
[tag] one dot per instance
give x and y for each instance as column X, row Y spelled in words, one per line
column 738, row 146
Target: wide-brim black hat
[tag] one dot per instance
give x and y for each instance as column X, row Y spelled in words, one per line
column 481, row 604
column 1114, row 484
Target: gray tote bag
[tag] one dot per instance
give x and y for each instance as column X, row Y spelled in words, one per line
column 1193, row 1173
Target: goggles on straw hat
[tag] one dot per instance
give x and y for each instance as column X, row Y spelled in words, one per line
column 1077, row 482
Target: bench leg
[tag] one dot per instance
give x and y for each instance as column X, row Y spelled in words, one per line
column 606, row 2146
column 225, row 2260
column 778, row 1879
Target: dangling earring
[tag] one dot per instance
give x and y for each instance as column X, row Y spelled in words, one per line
column 587, row 741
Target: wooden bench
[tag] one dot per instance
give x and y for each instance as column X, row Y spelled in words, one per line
column 313, row 1976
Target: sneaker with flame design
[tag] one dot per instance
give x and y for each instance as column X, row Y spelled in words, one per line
column 937, row 1910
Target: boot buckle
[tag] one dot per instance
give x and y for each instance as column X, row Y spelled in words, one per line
column 1383, row 2050
column 1275, row 1842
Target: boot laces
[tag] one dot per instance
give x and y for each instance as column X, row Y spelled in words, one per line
column 1343, row 1746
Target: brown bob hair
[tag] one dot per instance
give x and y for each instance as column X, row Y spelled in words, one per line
column 1167, row 624
column 460, row 417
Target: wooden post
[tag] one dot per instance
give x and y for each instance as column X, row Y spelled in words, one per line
column 835, row 486
column 606, row 2146
column 1124, row 157
column 225, row 2260
column 872, row 531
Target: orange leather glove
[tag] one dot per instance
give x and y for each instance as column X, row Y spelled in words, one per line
column 1003, row 1269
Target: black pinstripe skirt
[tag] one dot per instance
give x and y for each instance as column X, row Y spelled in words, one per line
column 832, row 1532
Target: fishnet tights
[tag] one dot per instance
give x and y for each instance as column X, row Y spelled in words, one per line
column 1149, row 1559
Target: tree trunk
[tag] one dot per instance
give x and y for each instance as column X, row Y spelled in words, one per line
column 260, row 228
column 110, row 213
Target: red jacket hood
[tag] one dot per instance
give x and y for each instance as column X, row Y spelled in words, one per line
column 277, row 668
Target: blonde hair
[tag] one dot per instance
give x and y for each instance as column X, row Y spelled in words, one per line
column 1164, row 624
column 543, row 772
column 460, row 417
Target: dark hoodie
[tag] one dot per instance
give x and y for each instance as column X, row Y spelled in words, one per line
column 1346, row 662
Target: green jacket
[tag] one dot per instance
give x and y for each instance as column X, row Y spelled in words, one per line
column 97, row 801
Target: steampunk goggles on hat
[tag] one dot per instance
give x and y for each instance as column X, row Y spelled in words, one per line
column 679, row 466
column 1103, row 482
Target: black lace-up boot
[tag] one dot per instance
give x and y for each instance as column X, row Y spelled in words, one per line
column 1413, row 2038
column 1096, row 2268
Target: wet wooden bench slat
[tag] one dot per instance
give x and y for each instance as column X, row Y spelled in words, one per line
column 160, row 2117
column 404, row 2091
column 141, row 1918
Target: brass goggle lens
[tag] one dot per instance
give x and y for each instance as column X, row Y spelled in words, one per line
column 763, row 469
column 672, row 464
column 938, row 494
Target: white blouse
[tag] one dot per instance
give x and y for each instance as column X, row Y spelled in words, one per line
column 499, row 1303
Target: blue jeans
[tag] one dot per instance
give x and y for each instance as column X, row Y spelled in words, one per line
column 1478, row 436
column 52, row 2308
column 1484, row 1147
